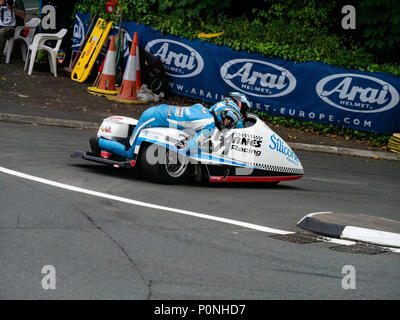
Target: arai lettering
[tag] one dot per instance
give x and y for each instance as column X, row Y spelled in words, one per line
column 179, row 59
column 258, row 78
column 369, row 95
column 267, row 80
column 357, row 93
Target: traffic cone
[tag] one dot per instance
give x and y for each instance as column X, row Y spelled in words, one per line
column 127, row 92
column 138, row 77
column 128, row 87
column 106, row 84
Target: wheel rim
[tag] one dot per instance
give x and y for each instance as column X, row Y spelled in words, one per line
column 175, row 164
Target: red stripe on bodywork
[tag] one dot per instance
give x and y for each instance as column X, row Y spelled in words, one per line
column 105, row 154
column 252, row 179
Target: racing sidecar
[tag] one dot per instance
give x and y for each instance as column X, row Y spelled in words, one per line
column 254, row 153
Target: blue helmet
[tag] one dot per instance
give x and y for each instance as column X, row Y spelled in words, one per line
column 241, row 101
column 227, row 114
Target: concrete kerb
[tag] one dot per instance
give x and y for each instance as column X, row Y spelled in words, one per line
column 356, row 227
column 296, row 146
column 346, row 151
column 16, row 118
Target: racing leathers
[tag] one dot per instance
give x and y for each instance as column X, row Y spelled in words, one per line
column 197, row 118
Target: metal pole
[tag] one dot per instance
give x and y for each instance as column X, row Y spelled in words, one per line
column 40, row 14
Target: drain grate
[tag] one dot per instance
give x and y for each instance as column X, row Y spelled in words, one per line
column 299, row 237
column 306, row 238
column 361, row 248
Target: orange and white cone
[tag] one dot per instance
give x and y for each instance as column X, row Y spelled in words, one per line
column 127, row 92
column 106, row 84
column 138, row 77
column 128, row 86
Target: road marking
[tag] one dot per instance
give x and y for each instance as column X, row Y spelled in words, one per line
column 163, row 208
column 143, row 204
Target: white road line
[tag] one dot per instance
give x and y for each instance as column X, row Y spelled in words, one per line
column 158, row 207
column 143, row 204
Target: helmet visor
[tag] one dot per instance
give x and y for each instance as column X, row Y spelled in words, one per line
column 228, row 122
column 229, row 119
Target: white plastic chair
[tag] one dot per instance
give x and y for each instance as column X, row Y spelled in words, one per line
column 31, row 25
column 38, row 44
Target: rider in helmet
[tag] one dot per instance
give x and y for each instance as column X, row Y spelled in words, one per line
column 231, row 110
column 241, row 100
column 226, row 114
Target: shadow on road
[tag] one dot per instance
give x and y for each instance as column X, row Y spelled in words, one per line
column 136, row 175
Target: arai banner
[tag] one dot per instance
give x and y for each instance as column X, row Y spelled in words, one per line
column 309, row 91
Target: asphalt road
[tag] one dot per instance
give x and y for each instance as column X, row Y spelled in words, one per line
column 106, row 249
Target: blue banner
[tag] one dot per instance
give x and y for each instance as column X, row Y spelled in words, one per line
column 309, row 91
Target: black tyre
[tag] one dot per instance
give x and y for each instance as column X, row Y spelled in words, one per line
column 162, row 165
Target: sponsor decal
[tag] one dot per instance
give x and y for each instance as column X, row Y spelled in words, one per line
column 357, row 93
column 179, row 59
column 179, row 112
column 150, row 135
column 247, row 140
column 257, row 153
column 245, row 143
column 105, row 129
column 92, row 46
column 280, row 146
column 258, row 78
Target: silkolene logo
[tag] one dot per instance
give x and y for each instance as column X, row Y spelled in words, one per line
column 357, row 93
column 258, row 78
column 179, row 59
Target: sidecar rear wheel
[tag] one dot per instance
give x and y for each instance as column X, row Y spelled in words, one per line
column 163, row 165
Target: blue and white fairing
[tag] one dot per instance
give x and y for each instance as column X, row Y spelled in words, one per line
column 252, row 153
